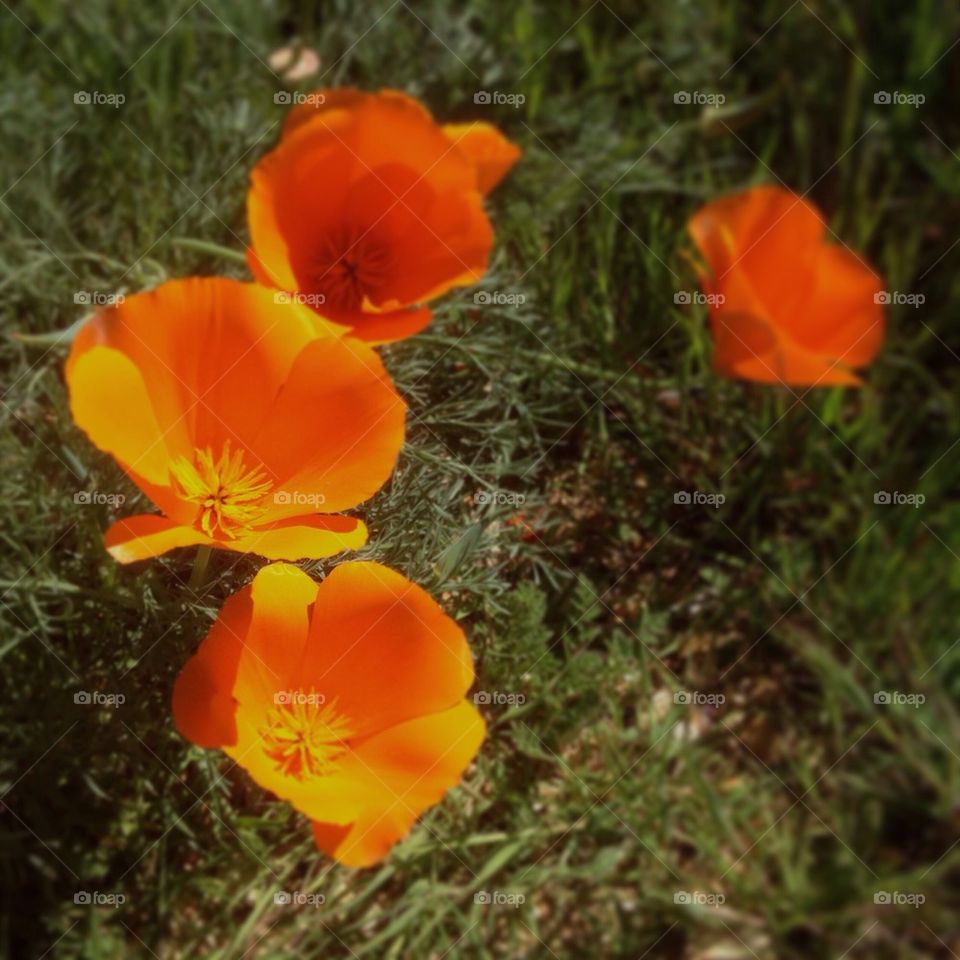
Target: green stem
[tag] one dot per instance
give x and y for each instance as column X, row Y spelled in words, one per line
column 57, row 338
column 214, row 249
column 199, row 572
column 576, row 366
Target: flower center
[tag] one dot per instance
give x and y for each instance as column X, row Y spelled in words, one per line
column 304, row 736
column 228, row 494
column 347, row 269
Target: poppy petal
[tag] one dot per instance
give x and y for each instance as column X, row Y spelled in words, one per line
column 147, row 535
column 110, row 403
column 384, row 648
column 747, row 347
column 490, row 152
column 273, row 644
column 311, row 537
column 405, row 770
column 380, row 328
column 319, row 101
column 251, row 653
column 211, row 352
column 764, row 222
column 336, row 427
column 204, row 703
column 841, row 315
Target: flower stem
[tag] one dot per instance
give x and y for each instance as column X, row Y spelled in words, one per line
column 55, row 339
column 199, row 573
column 205, row 246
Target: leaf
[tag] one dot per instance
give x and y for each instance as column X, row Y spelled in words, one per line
column 454, row 556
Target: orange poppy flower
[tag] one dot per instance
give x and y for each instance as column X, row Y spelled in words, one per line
column 344, row 698
column 788, row 305
column 368, row 208
column 249, row 424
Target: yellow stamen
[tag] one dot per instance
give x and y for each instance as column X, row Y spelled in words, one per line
column 304, row 736
column 228, row 494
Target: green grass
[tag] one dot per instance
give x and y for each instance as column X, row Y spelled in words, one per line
column 598, row 798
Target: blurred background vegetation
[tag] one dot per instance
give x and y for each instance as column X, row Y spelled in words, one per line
column 760, row 818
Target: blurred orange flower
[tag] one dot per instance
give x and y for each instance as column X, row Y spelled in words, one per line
column 344, row 698
column 368, row 208
column 786, row 305
column 245, row 420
